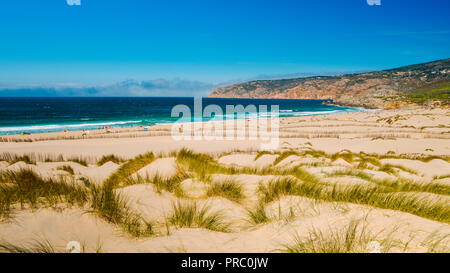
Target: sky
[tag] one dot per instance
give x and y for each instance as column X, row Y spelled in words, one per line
column 163, row 45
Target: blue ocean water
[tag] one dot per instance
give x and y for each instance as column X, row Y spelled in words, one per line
column 35, row 115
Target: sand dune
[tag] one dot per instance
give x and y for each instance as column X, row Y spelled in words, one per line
column 386, row 173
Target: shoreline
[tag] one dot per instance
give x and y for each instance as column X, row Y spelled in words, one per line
column 72, row 134
column 420, row 131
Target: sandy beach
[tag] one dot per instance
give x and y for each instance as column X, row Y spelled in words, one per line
column 382, row 177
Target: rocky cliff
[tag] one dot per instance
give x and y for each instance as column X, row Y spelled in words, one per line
column 414, row 84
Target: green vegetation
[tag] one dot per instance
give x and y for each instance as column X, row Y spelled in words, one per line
column 128, row 168
column 353, row 238
column 113, row 208
column 276, row 188
column 258, row 214
column 397, row 185
column 79, row 160
column 283, row 156
column 66, row 168
column 25, row 187
column 37, row 246
column 170, row 184
column 189, row 214
column 108, row 158
column 229, row 188
column 261, row 153
column 28, row 189
column 438, row 92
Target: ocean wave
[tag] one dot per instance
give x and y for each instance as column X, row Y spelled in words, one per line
column 64, row 126
column 83, row 124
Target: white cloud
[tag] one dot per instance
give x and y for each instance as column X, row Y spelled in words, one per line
column 159, row 87
column 73, row 2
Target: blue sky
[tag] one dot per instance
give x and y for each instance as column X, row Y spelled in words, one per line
column 101, row 42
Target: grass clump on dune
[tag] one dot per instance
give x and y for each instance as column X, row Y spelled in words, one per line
column 190, row 214
column 258, row 214
column 25, row 187
column 397, row 185
column 392, row 169
column 66, row 168
column 112, row 207
column 108, row 158
column 353, row 238
column 128, row 168
column 262, row 153
column 345, row 155
column 283, row 156
column 276, row 188
column 29, row 190
column 170, row 184
column 415, row 204
column 364, row 161
column 37, row 246
column 381, row 197
column 200, row 164
column 79, row 160
column 230, row 189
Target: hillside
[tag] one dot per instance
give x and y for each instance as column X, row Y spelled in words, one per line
column 427, row 83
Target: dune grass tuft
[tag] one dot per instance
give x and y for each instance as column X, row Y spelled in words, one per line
column 274, row 189
column 25, row 187
column 36, row 246
column 417, row 204
column 397, row 185
column 353, row 238
column 345, row 155
column 128, row 168
column 393, row 169
column 113, row 207
column 29, row 190
column 230, row 189
column 283, row 156
column 108, row 158
column 190, row 214
column 257, row 215
column 78, row 160
column 66, row 168
column 262, row 153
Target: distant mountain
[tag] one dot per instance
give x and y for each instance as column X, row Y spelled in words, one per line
column 427, row 83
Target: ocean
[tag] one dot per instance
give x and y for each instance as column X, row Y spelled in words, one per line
column 36, row 115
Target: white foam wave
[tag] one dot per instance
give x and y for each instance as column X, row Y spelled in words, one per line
column 63, row 126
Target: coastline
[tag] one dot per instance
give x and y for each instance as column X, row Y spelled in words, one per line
column 358, row 131
column 398, row 158
column 67, row 132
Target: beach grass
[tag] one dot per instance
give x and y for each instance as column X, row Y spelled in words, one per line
column 110, row 158
column 353, row 238
column 128, row 168
column 29, row 190
column 66, row 168
column 229, row 188
column 189, row 214
column 36, row 246
column 272, row 190
column 26, row 188
column 258, row 215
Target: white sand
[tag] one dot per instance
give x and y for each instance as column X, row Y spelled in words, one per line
column 413, row 133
